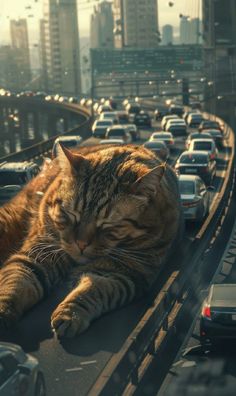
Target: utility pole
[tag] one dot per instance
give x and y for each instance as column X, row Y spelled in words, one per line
column 185, row 91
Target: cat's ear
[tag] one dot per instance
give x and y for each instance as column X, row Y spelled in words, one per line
column 149, row 182
column 66, row 157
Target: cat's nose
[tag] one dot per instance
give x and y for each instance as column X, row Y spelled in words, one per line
column 82, row 245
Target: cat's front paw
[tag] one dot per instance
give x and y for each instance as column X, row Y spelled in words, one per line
column 68, row 321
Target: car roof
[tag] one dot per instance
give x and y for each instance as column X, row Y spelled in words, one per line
column 154, row 143
column 117, row 126
column 202, row 140
column 17, row 166
column 189, row 178
column 68, row 138
column 111, row 141
column 194, row 152
column 223, row 294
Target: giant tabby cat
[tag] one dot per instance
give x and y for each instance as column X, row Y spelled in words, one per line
column 106, row 215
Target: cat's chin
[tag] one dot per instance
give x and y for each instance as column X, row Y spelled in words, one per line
column 83, row 260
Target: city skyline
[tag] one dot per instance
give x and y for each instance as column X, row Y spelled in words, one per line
column 32, row 10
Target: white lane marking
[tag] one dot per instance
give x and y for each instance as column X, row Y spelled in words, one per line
column 88, row 362
column 73, row 369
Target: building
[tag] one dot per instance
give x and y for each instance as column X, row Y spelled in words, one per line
column 136, row 23
column 190, row 30
column 59, row 39
column 219, row 40
column 20, row 54
column 167, row 35
column 101, row 26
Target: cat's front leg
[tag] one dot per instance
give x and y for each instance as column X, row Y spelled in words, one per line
column 94, row 295
column 23, row 283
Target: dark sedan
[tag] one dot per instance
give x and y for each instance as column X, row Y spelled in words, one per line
column 143, row 119
column 218, row 317
column 196, row 163
column 217, row 136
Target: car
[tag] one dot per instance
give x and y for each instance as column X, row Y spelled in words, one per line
column 160, row 113
column 167, row 118
column 159, row 148
column 73, row 100
column 195, row 105
column 196, row 163
column 118, row 132
column 204, row 145
column 133, row 108
column 20, row 373
column 134, row 132
column 165, row 137
column 218, row 315
column 217, row 136
column 112, row 141
column 177, row 110
column 103, row 108
column 111, row 115
column 209, row 124
column 195, row 197
column 196, row 135
column 142, row 119
column 14, row 176
column 176, row 127
column 123, row 116
column 194, row 120
column 69, row 141
column 103, row 124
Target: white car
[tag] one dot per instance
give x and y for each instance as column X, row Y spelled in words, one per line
column 102, row 123
column 167, row 118
column 207, row 145
column 111, row 115
column 176, row 126
column 195, row 197
column 165, row 137
column 69, row 141
column 112, row 141
column 119, row 132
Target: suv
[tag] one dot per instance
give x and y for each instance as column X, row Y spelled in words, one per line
column 13, row 177
column 142, row 119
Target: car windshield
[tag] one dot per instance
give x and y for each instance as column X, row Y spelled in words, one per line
column 116, row 132
column 154, row 145
column 202, row 146
column 161, row 136
column 193, row 159
column 12, row 177
column 103, row 123
column 186, row 187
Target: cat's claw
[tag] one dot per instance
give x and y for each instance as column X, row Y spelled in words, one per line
column 66, row 323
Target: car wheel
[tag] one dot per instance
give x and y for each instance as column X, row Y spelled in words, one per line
column 40, row 387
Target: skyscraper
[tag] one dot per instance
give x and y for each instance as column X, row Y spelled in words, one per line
column 167, row 35
column 20, row 46
column 60, row 47
column 101, row 26
column 190, row 29
column 136, row 23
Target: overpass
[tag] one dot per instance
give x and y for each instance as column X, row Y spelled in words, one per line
column 115, row 355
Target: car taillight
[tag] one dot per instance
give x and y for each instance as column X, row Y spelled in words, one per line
column 171, row 141
column 206, row 311
column 212, row 156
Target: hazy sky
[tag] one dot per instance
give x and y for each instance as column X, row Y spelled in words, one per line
column 32, row 9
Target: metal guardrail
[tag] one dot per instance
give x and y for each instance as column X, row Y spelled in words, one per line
column 123, row 368
column 41, row 148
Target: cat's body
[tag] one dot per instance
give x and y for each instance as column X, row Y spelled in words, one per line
column 108, row 215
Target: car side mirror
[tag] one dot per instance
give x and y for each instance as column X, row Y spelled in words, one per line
column 211, row 188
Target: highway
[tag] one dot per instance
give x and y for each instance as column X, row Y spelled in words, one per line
column 71, row 367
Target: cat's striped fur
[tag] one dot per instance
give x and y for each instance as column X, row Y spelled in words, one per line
column 107, row 216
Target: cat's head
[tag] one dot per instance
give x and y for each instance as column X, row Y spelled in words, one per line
column 102, row 197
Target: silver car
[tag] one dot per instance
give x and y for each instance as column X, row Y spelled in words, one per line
column 195, row 197
column 19, row 372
